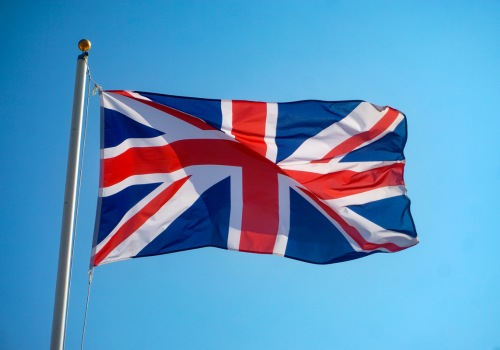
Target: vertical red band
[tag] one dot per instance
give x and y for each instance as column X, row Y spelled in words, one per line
column 249, row 124
column 260, row 217
column 260, row 222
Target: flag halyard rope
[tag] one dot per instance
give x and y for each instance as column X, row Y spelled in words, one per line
column 91, row 275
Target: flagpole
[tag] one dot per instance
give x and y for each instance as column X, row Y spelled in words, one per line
column 68, row 219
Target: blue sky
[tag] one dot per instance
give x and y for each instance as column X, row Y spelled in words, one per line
column 435, row 61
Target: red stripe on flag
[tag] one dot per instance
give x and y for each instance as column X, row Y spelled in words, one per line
column 140, row 161
column 357, row 140
column 260, row 220
column 137, row 220
column 249, row 124
column 347, row 182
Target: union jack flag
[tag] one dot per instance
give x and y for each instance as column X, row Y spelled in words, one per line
column 316, row 181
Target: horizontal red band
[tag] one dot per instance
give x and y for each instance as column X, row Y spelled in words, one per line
column 347, row 182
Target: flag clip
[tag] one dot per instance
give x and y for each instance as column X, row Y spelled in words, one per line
column 96, row 89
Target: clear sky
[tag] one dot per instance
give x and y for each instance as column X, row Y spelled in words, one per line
column 437, row 61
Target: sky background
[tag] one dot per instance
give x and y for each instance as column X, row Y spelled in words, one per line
column 437, row 61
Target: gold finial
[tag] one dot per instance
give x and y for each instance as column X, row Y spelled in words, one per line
column 84, row 45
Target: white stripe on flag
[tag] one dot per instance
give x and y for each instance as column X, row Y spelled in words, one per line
column 334, row 166
column 367, row 197
column 142, row 180
column 270, row 132
column 120, row 104
column 236, row 215
column 139, row 96
column 111, row 152
column 227, row 117
column 284, row 184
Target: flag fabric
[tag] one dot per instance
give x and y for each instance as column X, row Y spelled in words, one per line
column 316, row 181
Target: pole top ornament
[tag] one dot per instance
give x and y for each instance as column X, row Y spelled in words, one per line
column 84, row 45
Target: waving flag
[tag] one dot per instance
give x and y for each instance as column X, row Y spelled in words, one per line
column 316, row 181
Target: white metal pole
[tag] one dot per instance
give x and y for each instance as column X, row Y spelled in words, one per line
column 68, row 219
